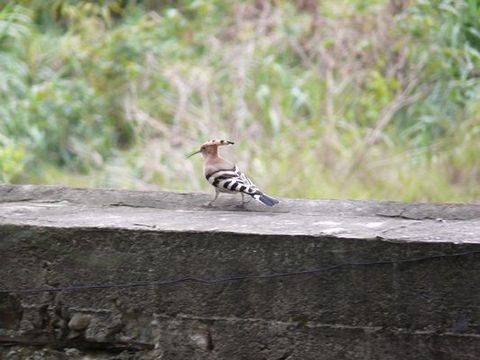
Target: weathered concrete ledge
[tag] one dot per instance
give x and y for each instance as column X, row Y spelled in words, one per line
column 398, row 281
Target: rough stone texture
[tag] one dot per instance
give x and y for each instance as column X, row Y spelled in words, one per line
column 377, row 306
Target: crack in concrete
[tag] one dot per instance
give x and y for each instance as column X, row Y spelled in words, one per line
column 311, row 324
column 273, row 322
column 404, row 226
column 44, row 339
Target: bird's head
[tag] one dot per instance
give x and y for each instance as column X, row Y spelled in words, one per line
column 210, row 147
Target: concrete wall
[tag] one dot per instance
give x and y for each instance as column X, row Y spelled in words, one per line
column 398, row 281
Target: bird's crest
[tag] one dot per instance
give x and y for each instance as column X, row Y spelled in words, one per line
column 218, row 143
column 211, row 143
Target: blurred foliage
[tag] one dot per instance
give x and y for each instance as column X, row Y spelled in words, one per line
column 353, row 98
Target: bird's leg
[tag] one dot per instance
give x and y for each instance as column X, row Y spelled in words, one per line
column 215, row 198
column 243, row 199
column 242, row 205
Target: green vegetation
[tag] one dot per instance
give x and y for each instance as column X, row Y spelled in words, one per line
column 340, row 99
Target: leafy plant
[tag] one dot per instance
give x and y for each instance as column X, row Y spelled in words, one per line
column 358, row 99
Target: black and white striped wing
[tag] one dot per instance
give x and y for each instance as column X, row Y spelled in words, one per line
column 231, row 181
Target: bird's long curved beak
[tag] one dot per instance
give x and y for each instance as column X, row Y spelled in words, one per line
column 193, row 153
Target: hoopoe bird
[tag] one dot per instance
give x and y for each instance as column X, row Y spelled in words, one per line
column 226, row 177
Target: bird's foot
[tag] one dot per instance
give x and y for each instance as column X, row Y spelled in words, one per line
column 242, row 206
column 208, row 205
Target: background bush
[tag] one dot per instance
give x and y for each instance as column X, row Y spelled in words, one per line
column 341, row 99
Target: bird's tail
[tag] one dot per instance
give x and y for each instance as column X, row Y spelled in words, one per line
column 265, row 199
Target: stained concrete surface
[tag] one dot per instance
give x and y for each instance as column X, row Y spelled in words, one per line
column 399, row 279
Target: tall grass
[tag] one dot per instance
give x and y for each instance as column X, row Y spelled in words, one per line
column 341, row 99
